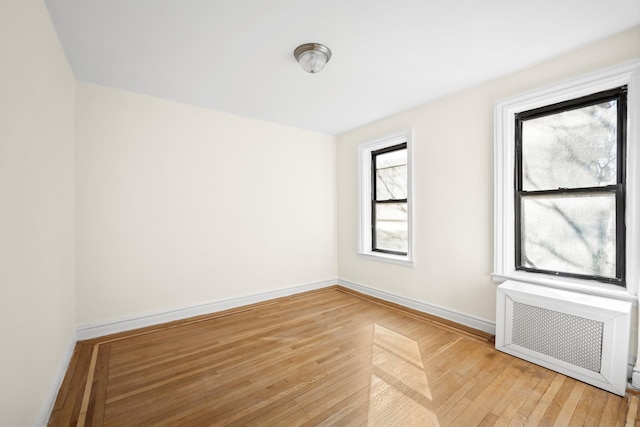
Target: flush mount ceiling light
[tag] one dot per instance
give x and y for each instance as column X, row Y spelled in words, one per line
column 312, row 56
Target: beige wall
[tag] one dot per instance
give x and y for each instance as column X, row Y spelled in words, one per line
column 453, row 164
column 178, row 205
column 37, row 296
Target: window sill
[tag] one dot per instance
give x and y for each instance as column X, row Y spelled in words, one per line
column 576, row 285
column 391, row 259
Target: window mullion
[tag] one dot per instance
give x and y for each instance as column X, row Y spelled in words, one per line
column 392, row 201
column 570, row 191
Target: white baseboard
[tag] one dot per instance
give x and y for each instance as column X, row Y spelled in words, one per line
column 47, row 407
column 150, row 319
column 445, row 313
column 134, row 322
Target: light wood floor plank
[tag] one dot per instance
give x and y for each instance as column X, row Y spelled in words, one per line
column 622, row 412
column 558, row 402
column 520, row 395
column 490, row 396
column 632, row 411
column 598, row 403
column 536, row 394
column 547, row 398
column 568, row 407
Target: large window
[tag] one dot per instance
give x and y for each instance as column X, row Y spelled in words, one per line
column 567, row 184
column 385, row 199
column 570, row 187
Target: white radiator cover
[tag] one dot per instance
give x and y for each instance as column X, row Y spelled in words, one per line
column 582, row 336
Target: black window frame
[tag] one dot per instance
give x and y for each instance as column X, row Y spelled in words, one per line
column 619, row 189
column 375, row 201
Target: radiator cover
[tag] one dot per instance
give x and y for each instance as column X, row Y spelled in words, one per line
column 582, row 336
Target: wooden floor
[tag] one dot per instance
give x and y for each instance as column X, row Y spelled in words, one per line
column 328, row 357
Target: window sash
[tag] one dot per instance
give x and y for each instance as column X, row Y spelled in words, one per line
column 619, row 232
column 375, row 201
column 618, row 94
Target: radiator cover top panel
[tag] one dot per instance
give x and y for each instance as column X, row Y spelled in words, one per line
column 572, row 339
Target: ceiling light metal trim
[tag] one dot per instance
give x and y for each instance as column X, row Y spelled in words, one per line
column 315, row 48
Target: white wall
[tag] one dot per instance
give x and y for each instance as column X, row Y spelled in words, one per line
column 37, row 296
column 178, row 205
column 453, row 149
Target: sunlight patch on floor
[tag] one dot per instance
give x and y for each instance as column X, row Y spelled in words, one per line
column 399, row 392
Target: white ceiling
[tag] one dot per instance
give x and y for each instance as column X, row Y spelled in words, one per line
column 388, row 55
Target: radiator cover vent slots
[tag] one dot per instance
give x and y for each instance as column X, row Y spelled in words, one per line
column 582, row 336
column 572, row 339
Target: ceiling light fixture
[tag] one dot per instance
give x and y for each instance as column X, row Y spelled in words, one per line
column 312, row 56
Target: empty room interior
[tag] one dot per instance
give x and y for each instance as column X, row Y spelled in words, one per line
column 319, row 213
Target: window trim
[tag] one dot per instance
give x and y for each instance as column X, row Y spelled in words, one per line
column 365, row 185
column 628, row 74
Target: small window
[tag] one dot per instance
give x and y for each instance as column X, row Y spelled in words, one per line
column 389, row 213
column 385, row 199
column 570, row 169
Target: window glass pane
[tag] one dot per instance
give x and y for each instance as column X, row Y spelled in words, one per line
column 571, row 149
column 391, row 175
column 391, row 227
column 570, row 233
